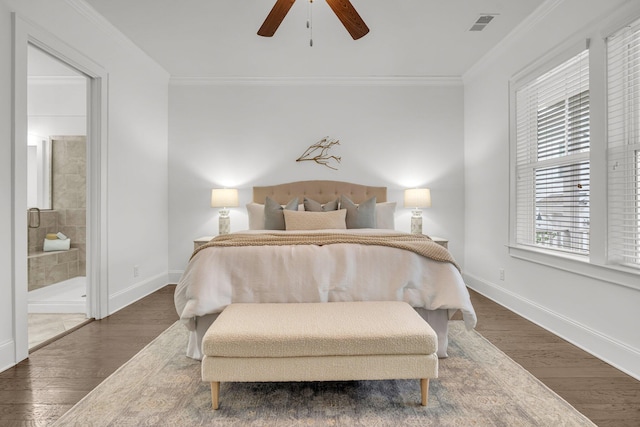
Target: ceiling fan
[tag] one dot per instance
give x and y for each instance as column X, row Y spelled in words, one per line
column 343, row 9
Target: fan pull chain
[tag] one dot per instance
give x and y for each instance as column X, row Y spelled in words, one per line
column 310, row 22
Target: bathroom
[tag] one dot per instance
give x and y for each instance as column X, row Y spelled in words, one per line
column 57, row 193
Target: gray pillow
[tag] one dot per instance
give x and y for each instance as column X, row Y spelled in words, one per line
column 359, row 216
column 273, row 216
column 313, row 206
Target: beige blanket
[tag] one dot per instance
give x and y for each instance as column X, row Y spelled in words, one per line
column 417, row 243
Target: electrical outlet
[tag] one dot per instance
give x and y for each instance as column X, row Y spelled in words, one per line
column 136, row 271
column 501, row 274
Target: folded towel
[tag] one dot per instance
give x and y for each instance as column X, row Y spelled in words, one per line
column 56, row 245
column 52, row 236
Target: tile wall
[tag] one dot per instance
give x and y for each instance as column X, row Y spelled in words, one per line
column 68, row 216
column 69, row 191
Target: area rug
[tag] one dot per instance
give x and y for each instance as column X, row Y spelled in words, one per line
column 478, row 386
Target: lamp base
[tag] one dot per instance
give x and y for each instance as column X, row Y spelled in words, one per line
column 224, row 225
column 416, row 223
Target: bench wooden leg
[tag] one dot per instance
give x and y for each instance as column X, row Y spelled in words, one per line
column 424, row 389
column 215, row 394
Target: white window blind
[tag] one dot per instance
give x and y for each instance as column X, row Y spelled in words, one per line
column 623, row 91
column 552, row 158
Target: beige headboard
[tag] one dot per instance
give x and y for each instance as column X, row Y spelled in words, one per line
column 320, row 191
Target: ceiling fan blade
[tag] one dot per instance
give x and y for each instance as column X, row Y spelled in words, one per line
column 349, row 17
column 275, row 17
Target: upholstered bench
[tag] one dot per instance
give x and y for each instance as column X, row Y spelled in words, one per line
column 319, row 342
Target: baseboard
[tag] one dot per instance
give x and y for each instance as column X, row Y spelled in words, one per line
column 7, row 355
column 175, row 275
column 614, row 352
column 128, row 296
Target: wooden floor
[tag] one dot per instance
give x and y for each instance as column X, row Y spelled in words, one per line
column 40, row 389
column 606, row 395
column 54, row 378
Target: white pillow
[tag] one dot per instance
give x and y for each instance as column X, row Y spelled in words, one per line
column 307, row 220
column 255, row 211
column 256, row 216
column 385, row 215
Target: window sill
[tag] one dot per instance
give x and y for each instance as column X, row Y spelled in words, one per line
column 577, row 264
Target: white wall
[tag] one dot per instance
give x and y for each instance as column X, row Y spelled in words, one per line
column 241, row 135
column 137, row 129
column 57, row 106
column 598, row 314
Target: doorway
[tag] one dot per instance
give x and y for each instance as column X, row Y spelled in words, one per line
column 56, row 197
column 27, row 36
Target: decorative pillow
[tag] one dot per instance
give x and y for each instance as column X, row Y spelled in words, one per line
column 313, row 206
column 385, row 215
column 255, row 211
column 273, row 216
column 296, row 220
column 359, row 216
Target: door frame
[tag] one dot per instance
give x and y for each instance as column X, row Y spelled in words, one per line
column 26, row 33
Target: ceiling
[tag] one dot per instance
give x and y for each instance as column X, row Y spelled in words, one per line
column 217, row 38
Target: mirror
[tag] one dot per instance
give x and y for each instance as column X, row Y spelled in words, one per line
column 38, row 172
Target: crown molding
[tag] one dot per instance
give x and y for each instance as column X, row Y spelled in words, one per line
column 516, row 34
column 318, row 81
column 94, row 17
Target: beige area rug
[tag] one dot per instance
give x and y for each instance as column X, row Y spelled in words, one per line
column 478, row 386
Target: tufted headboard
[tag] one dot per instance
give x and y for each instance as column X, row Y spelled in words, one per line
column 320, row 191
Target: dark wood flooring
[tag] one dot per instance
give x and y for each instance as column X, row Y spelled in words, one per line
column 39, row 390
column 607, row 396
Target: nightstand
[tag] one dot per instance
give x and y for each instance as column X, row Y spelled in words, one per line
column 201, row 241
column 442, row 242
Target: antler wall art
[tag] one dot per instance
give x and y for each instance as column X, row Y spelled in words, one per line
column 318, row 153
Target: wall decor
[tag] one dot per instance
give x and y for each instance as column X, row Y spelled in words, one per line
column 318, row 153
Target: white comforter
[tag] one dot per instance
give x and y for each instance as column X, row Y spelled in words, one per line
column 218, row 276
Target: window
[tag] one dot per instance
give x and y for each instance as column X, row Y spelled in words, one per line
column 552, row 158
column 623, row 134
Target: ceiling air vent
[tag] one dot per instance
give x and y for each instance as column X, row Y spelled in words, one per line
column 481, row 22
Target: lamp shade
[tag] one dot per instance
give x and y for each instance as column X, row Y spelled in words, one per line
column 417, row 198
column 224, row 198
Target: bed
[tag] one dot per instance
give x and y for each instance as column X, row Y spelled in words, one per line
column 321, row 256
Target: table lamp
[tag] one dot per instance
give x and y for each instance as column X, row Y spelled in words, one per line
column 224, row 198
column 417, row 198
